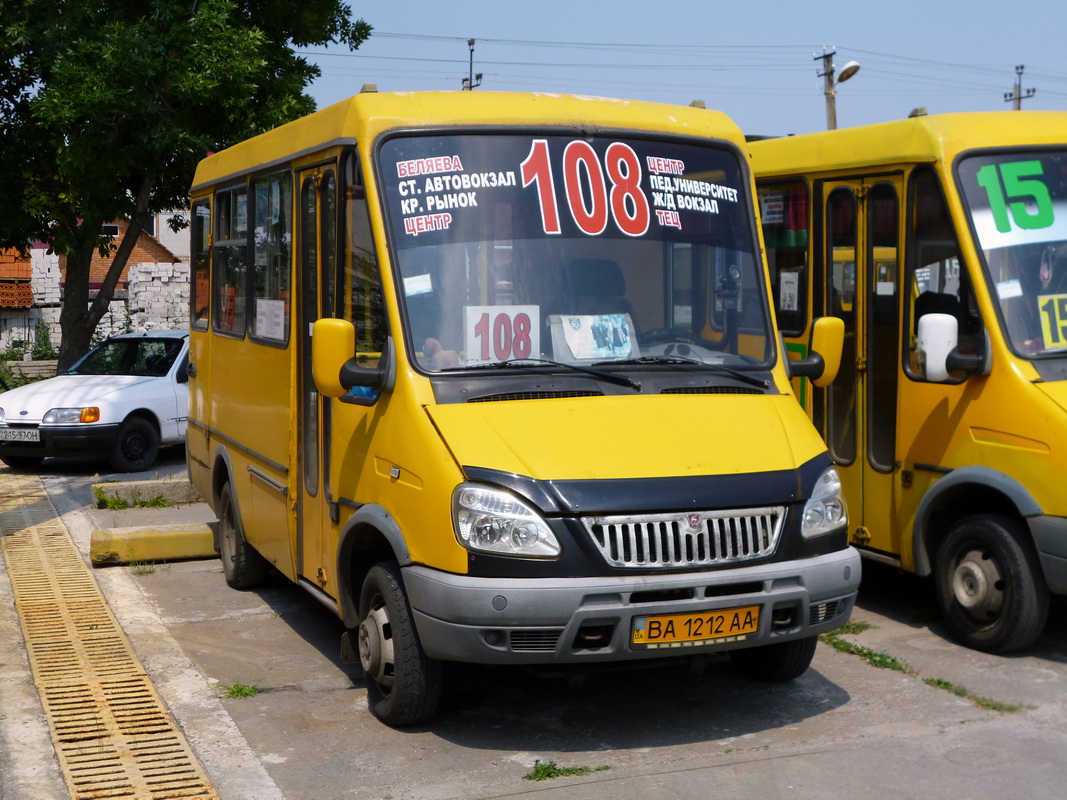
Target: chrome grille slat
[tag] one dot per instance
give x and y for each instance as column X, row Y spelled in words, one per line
column 690, row 539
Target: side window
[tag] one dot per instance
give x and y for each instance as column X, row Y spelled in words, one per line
column 841, row 256
column 201, row 258
column 784, row 216
column 883, row 364
column 273, row 236
column 363, row 301
column 936, row 280
column 229, row 278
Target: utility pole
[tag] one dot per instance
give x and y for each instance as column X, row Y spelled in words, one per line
column 471, row 80
column 1016, row 96
column 830, row 85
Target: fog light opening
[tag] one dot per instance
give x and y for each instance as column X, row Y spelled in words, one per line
column 593, row 637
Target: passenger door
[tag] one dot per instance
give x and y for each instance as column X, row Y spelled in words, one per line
column 316, row 268
column 862, row 252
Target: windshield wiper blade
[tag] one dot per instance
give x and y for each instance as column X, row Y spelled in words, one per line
column 744, row 377
column 610, row 377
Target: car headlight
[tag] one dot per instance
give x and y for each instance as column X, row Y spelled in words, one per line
column 493, row 521
column 66, row 416
column 825, row 510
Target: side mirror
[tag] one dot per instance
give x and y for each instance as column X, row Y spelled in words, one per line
column 824, row 352
column 333, row 364
column 937, row 337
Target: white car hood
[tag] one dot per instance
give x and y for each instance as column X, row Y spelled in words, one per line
column 31, row 402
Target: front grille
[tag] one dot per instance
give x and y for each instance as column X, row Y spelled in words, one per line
column 496, row 398
column 712, row 390
column 693, row 539
column 822, row 612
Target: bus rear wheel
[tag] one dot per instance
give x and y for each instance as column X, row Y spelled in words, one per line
column 242, row 566
column 403, row 684
column 990, row 586
column 778, row 662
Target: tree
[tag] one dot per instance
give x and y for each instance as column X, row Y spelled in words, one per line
column 106, row 106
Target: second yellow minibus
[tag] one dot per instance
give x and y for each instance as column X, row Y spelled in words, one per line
column 494, row 377
column 941, row 243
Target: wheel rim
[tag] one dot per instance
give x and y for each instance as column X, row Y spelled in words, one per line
column 227, row 535
column 135, row 445
column 977, row 585
column 376, row 647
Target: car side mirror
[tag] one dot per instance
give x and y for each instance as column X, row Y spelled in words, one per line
column 824, row 352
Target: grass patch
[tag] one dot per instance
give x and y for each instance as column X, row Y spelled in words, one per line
column 104, row 500
column 143, row 567
column 238, row 689
column 872, row 657
column 548, row 771
column 982, row 702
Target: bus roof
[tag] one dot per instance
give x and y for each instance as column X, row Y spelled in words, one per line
column 917, row 139
column 370, row 113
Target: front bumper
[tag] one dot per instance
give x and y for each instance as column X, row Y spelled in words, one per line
column 85, row 439
column 1050, row 534
column 576, row 620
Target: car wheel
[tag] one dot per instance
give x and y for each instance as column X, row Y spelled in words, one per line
column 242, row 565
column 22, row 462
column 403, row 684
column 776, row 663
column 136, row 447
column 990, row 586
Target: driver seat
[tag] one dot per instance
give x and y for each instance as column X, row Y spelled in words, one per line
column 598, row 287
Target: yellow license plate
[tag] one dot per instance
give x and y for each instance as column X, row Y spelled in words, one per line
column 666, row 630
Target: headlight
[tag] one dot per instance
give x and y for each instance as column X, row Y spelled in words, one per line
column 1, row 415
column 493, row 521
column 825, row 511
column 66, row 416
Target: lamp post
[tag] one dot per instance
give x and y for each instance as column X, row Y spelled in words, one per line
column 830, row 90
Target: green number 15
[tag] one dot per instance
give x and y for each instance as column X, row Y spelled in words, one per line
column 1016, row 183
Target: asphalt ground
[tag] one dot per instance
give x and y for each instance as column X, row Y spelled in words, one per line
column 845, row 729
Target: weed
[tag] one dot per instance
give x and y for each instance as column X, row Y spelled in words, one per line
column 155, row 501
column 238, row 689
column 142, row 567
column 548, row 771
column 981, row 702
column 872, row 657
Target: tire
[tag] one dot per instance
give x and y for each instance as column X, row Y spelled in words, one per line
column 136, row 447
column 22, row 462
column 776, row 663
column 403, row 685
column 242, row 566
column 990, row 586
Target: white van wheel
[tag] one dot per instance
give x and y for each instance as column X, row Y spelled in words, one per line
column 403, row 684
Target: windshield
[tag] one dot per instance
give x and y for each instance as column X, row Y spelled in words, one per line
column 1018, row 204
column 576, row 249
column 143, row 357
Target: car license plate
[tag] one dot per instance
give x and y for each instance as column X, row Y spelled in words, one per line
column 20, row 435
column 673, row 630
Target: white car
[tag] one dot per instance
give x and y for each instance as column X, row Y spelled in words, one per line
column 120, row 402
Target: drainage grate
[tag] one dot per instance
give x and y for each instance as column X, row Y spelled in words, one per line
column 112, row 733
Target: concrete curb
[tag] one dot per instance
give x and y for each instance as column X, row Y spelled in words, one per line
column 177, row 542
column 134, row 493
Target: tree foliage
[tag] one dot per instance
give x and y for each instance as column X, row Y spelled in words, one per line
column 106, row 106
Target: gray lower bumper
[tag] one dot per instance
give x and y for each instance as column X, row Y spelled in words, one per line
column 1050, row 534
column 574, row 620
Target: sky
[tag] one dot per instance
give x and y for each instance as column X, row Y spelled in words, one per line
column 759, row 61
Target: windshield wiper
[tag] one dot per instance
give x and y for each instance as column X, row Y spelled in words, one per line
column 752, row 380
column 610, row 377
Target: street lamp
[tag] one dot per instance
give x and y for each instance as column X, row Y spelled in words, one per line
column 847, row 71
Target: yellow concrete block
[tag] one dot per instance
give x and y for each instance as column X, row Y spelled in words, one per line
column 151, row 543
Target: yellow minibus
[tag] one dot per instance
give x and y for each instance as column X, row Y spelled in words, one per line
column 941, row 243
column 495, row 378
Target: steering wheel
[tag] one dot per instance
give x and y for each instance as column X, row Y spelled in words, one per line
column 682, row 350
column 666, row 334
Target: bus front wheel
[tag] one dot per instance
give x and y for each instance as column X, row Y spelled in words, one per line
column 990, row 586
column 778, row 662
column 403, row 684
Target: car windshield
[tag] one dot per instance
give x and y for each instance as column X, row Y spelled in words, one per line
column 143, row 356
column 1018, row 205
column 574, row 248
